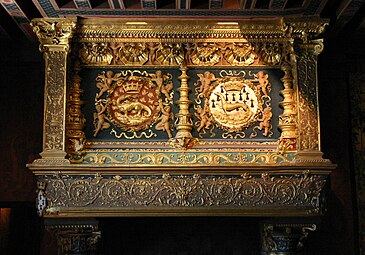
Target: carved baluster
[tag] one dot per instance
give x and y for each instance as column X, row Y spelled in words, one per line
column 75, row 119
column 54, row 36
column 288, row 119
column 183, row 137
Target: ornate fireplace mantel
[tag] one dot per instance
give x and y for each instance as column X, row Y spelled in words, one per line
column 181, row 118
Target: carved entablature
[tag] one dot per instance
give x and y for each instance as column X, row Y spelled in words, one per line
column 166, row 117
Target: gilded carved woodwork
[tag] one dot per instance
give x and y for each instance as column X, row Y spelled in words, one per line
column 192, row 192
column 54, row 36
column 307, row 96
column 74, row 118
column 191, row 158
column 233, row 102
column 183, row 124
column 133, row 101
column 162, row 117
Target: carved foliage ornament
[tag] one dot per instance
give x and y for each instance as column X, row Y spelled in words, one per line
column 55, row 100
column 185, row 191
column 54, row 31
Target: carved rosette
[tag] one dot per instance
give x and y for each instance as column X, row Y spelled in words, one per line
column 54, row 36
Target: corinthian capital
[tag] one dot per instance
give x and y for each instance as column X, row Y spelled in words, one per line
column 54, row 31
column 314, row 46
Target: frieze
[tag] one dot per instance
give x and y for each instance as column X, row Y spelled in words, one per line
column 187, row 158
column 257, row 192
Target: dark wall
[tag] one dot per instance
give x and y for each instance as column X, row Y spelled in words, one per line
column 21, row 104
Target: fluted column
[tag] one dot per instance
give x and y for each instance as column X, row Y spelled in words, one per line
column 54, row 36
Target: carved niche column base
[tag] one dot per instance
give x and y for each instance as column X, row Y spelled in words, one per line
column 310, row 156
column 52, row 157
column 285, row 239
column 75, row 236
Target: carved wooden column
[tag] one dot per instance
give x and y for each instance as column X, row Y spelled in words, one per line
column 183, row 124
column 285, row 239
column 54, row 36
column 308, row 114
column 75, row 236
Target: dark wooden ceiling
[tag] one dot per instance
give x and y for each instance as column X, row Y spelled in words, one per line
column 15, row 15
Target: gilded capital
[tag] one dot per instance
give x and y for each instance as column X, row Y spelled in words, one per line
column 314, row 46
column 54, row 32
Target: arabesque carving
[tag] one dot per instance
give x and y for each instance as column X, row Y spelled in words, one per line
column 263, row 192
column 307, row 96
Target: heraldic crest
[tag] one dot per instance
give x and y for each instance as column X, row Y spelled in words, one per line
column 133, row 101
column 233, row 103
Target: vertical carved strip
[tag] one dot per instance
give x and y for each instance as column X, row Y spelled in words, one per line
column 308, row 114
column 75, row 119
column 54, row 36
column 183, row 124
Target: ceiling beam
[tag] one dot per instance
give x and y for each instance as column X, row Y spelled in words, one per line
column 83, row 4
column 149, row 4
column 19, row 16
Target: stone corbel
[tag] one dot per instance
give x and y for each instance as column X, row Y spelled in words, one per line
column 54, row 36
column 75, row 236
column 285, row 239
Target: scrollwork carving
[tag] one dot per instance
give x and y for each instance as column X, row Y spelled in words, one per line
column 171, row 191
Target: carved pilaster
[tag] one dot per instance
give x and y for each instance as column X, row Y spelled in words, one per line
column 308, row 114
column 54, row 36
column 184, row 125
column 285, row 239
column 75, row 236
